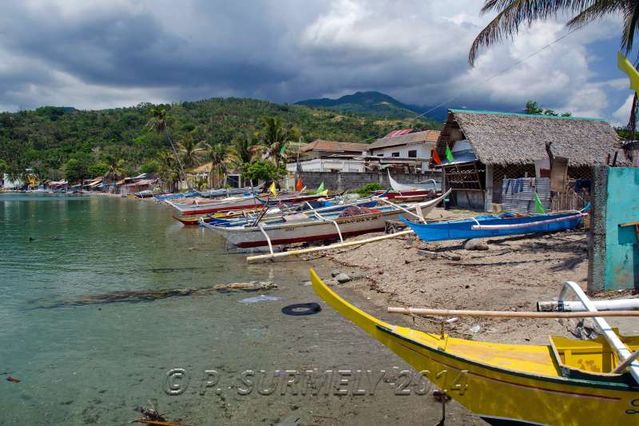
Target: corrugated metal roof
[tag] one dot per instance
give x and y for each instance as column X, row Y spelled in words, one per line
column 333, row 146
column 430, row 136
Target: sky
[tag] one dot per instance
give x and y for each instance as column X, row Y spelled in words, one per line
column 102, row 54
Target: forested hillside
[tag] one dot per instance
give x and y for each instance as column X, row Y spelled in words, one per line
column 47, row 139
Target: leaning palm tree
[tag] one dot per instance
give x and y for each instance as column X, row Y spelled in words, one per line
column 511, row 14
column 159, row 121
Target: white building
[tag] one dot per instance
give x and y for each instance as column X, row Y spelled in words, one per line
column 404, row 145
column 330, row 156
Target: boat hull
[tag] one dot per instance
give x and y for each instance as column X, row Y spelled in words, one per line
column 463, row 229
column 525, row 391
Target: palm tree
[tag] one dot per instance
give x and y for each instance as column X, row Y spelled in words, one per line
column 169, row 170
column 191, row 152
column 159, row 121
column 217, row 154
column 511, row 14
column 115, row 168
column 274, row 136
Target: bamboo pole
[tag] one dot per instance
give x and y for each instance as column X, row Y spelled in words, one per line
column 508, row 314
column 274, row 256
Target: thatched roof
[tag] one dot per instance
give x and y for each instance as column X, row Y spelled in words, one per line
column 426, row 136
column 509, row 138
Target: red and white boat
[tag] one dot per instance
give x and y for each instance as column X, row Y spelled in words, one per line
column 251, row 202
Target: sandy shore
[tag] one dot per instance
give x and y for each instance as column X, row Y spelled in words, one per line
column 513, row 274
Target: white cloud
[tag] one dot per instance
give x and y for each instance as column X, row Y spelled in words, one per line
column 119, row 52
column 621, row 114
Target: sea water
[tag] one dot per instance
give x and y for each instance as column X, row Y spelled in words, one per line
column 81, row 358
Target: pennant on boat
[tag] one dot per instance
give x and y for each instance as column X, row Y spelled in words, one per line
column 449, row 155
column 539, row 207
column 435, row 156
column 283, row 149
column 272, row 189
column 299, row 185
column 320, row 188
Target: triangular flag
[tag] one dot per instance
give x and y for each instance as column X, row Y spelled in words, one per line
column 272, row 189
column 435, row 156
column 449, row 155
column 299, row 185
column 320, row 188
column 283, row 149
column 539, row 207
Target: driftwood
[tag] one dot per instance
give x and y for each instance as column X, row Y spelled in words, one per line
column 134, row 296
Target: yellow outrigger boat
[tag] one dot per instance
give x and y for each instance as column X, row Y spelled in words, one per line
column 567, row 382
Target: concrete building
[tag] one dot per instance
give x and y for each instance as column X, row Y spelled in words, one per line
column 330, row 156
column 413, row 147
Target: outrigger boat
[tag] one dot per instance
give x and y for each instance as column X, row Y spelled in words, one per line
column 198, row 206
column 495, row 226
column 429, row 185
column 321, row 228
column 567, row 382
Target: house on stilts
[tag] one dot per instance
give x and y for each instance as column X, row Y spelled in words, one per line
column 497, row 161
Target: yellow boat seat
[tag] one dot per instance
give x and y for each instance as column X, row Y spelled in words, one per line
column 588, row 356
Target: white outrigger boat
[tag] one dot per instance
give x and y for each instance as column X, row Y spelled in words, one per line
column 429, row 185
column 321, row 228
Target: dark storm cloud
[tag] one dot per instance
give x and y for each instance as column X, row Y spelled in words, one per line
column 118, row 52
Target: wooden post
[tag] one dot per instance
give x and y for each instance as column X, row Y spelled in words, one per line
column 488, row 194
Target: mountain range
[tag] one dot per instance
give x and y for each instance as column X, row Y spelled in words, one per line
column 378, row 104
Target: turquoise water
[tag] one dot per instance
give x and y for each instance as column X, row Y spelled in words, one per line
column 95, row 363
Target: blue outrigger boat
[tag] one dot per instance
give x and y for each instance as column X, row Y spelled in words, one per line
column 495, row 226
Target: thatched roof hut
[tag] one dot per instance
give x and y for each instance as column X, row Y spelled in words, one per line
column 490, row 148
column 499, row 138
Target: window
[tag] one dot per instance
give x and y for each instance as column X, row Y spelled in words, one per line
column 380, row 155
column 412, row 153
column 395, row 154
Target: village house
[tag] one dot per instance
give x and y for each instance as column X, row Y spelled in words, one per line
column 499, row 161
column 330, row 156
column 403, row 149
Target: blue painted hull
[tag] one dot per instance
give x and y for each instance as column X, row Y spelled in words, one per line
column 462, row 229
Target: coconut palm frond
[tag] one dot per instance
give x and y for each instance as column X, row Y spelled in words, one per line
column 514, row 13
column 596, row 10
column 631, row 20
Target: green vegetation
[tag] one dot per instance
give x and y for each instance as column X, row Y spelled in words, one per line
column 368, row 189
column 533, row 107
column 233, row 133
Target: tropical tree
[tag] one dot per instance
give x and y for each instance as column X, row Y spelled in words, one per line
column 169, row 170
column 159, row 121
column 511, row 14
column 275, row 136
column 218, row 155
column 114, row 169
column 191, row 152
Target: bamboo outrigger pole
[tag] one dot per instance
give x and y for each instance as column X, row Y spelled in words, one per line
column 274, row 256
column 425, row 312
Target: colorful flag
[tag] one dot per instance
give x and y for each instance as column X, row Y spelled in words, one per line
column 283, row 149
column 435, row 156
column 320, row 188
column 299, row 185
column 449, row 155
column 272, row 189
column 539, row 207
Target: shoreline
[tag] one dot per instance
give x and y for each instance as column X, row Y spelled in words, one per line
column 512, row 274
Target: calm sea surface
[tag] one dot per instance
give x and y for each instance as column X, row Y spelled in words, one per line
column 95, row 363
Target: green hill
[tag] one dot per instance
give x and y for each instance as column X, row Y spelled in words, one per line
column 46, row 138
